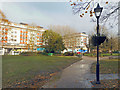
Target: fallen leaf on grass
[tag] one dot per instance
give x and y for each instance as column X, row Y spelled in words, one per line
column 18, row 86
column 6, row 72
column 42, row 77
column 114, row 85
column 18, row 83
column 54, row 86
column 52, row 74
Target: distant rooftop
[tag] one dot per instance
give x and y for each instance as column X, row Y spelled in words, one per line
column 30, row 25
column 84, row 32
column 23, row 23
column 39, row 27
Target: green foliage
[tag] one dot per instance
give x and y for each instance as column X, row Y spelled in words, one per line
column 116, row 51
column 110, row 44
column 100, row 54
column 28, row 53
column 68, row 54
column 33, row 53
column 58, row 54
column 44, row 53
column 53, row 42
column 98, row 39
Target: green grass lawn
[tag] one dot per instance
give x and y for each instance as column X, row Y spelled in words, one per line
column 109, row 66
column 20, row 68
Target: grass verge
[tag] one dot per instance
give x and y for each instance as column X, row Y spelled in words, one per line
column 101, row 54
column 109, row 66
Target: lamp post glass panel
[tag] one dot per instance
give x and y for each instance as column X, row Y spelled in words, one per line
column 98, row 11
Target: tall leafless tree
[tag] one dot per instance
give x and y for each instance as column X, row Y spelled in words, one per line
column 62, row 29
column 109, row 15
column 68, row 34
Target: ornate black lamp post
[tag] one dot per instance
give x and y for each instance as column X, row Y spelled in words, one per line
column 98, row 11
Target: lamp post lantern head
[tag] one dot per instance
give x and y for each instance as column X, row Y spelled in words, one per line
column 98, row 11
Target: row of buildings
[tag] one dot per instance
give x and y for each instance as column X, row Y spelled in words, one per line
column 20, row 37
column 16, row 38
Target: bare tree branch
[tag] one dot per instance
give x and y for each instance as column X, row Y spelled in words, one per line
column 80, row 6
column 109, row 14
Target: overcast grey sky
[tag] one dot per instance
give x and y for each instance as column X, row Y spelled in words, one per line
column 45, row 14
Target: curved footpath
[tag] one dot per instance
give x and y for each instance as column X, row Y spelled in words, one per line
column 78, row 75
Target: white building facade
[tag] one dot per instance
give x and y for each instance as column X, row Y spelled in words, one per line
column 19, row 37
column 76, row 42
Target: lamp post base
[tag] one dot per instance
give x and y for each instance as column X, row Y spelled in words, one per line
column 97, row 82
column 97, row 74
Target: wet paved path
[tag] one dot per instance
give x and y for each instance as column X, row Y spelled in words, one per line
column 78, row 75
